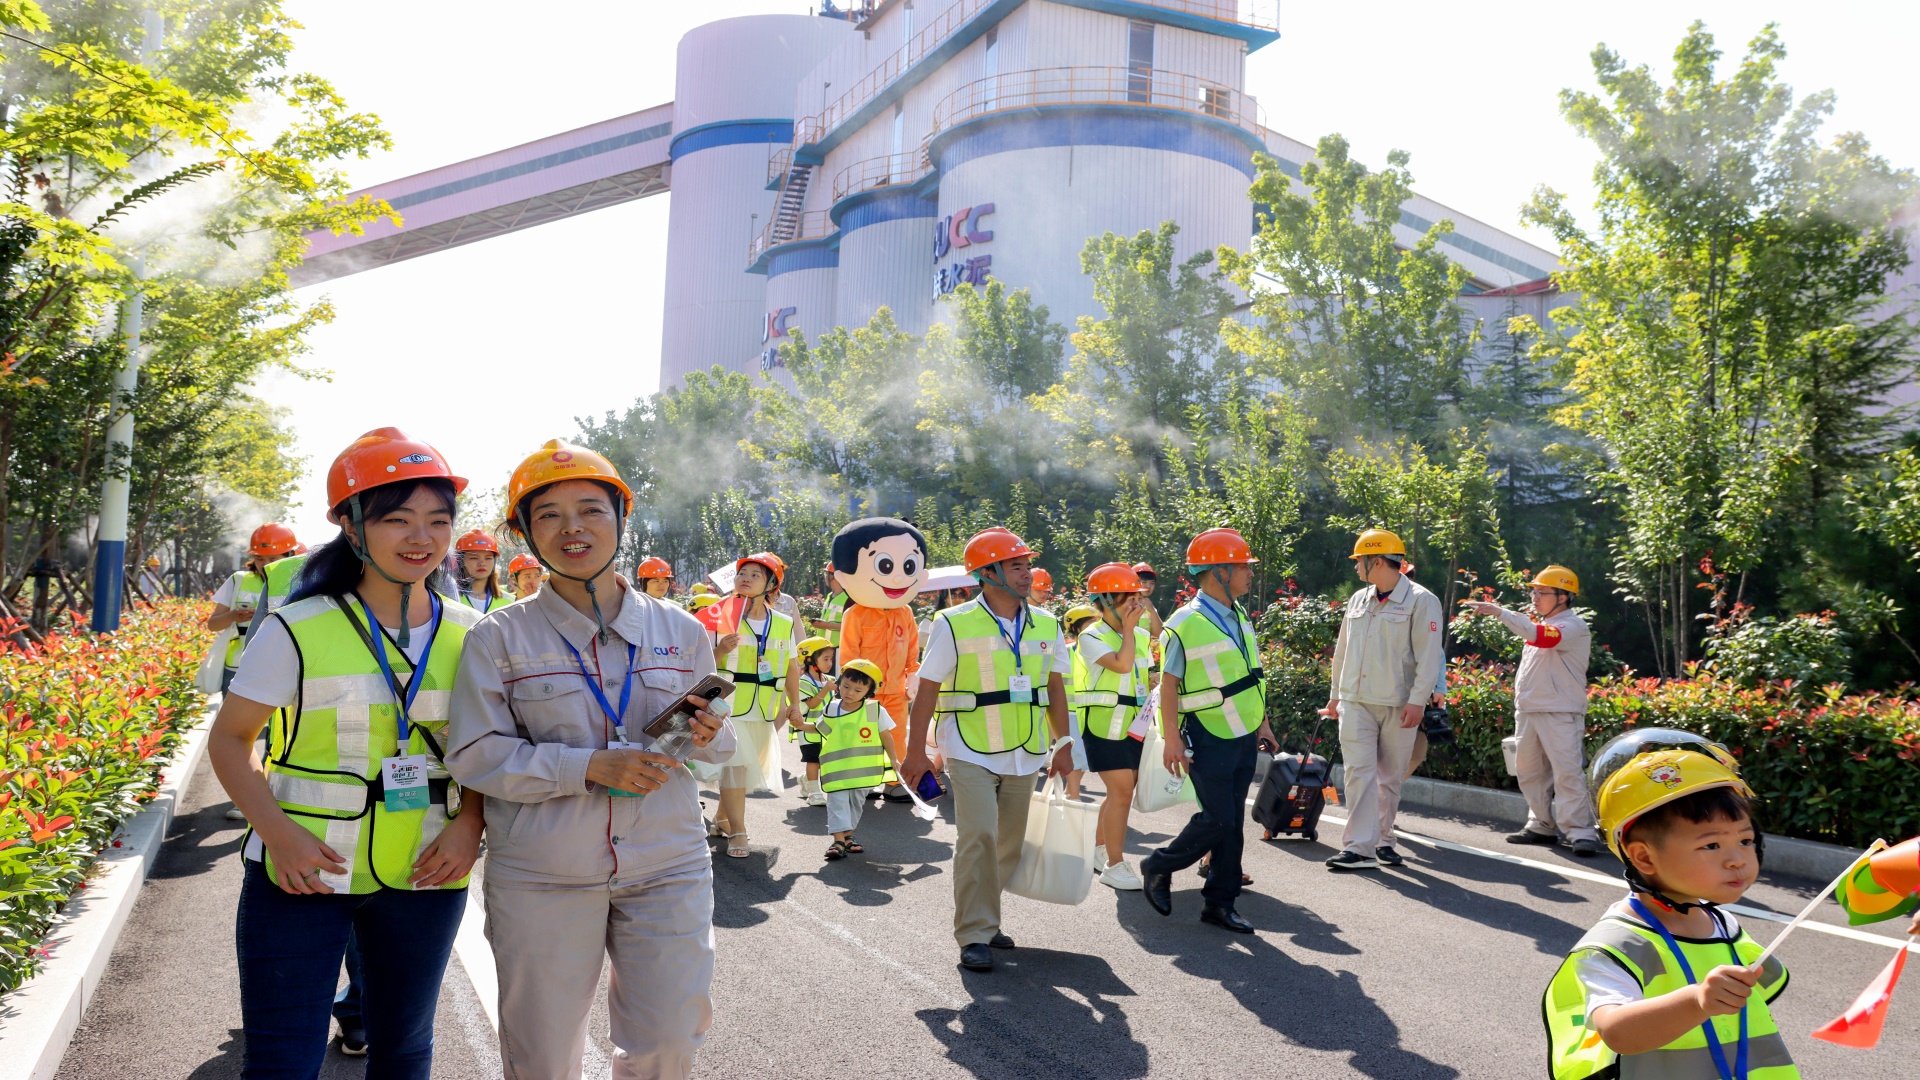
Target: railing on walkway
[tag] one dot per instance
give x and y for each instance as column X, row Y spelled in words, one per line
column 889, row 171
column 1141, row 87
column 779, row 163
column 808, row 226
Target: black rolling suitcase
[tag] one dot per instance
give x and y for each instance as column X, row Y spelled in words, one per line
column 1293, row 794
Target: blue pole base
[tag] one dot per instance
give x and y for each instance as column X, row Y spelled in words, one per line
column 109, row 581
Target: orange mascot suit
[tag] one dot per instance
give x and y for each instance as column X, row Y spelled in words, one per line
column 881, row 563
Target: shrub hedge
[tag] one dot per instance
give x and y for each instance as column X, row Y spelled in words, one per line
column 85, row 723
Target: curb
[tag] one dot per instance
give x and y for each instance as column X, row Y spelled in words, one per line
column 38, row 1020
column 1784, row 854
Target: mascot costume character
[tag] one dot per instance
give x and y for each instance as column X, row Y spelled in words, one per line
column 881, row 562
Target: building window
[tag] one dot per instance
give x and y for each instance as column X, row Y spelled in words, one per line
column 992, row 68
column 899, row 126
column 1140, row 62
column 906, row 37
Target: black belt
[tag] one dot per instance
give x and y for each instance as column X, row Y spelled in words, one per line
column 1130, row 702
column 999, row 697
column 740, row 677
column 377, row 790
column 1240, row 685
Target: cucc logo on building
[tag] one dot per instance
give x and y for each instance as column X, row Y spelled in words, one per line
column 961, row 229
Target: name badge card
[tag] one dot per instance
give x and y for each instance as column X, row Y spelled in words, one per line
column 1021, row 689
column 766, row 670
column 405, row 782
column 617, row 744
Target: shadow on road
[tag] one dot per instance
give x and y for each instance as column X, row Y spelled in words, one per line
column 1315, row 1007
column 197, row 842
column 227, row 1065
column 1551, row 936
column 1041, row 1013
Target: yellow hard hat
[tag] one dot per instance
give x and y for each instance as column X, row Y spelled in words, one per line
column 1556, row 576
column 704, row 600
column 700, row 588
column 1377, row 542
column 865, row 667
column 813, row 645
column 1078, row 612
column 1650, row 767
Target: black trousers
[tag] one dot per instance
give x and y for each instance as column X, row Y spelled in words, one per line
column 1222, row 771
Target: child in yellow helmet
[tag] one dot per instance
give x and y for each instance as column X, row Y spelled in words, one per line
column 816, row 687
column 857, row 755
column 1665, row 983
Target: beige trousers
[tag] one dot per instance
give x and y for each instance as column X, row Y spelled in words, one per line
column 548, row 945
column 1375, row 750
column 1549, row 763
column 990, row 811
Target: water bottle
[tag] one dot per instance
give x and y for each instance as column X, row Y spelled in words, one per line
column 1175, row 782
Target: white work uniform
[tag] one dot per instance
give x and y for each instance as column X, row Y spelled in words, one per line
column 1550, row 719
column 1389, row 655
column 575, row 875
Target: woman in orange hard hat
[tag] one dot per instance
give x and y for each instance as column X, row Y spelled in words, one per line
column 549, row 709
column 357, row 834
column 655, row 577
column 526, row 572
column 764, row 661
column 244, row 595
column 1114, row 705
column 479, row 559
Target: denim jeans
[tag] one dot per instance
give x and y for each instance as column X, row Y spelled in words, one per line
column 291, row 948
column 1222, row 771
column 346, row 1003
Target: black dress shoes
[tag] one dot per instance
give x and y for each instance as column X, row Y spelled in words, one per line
column 1226, row 919
column 1001, row 941
column 1158, row 889
column 976, row 957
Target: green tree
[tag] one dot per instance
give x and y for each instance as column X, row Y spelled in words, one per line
column 979, row 379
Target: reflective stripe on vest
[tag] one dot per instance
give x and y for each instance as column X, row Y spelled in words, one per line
column 851, row 755
column 1220, row 688
column 749, row 693
column 324, row 762
column 834, row 610
column 1107, row 707
column 977, row 695
column 1576, row 1051
column 809, row 688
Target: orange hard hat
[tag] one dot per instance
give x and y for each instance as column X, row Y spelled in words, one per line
column 521, row 562
column 1114, row 577
column 299, row 549
column 1042, row 579
column 1144, row 570
column 477, row 540
column 995, row 545
column 384, row 456
column 272, row 540
column 1217, row 547
column 557, row 461
column 653, row 566
column 768, row 561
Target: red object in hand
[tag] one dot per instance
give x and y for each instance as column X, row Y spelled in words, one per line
column 723, row 617
column 1860, row 1025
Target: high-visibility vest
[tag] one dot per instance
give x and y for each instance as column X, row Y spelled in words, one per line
column 281, row 572
column 323, row 762
column 743, row 665
column 1222, row 687
column 851, row 754
column 809, row 689
column 1576, row 1051
column 1105, row 701
column 253, row 590
column 977, row 694
column 834, row 610
column 498, row 601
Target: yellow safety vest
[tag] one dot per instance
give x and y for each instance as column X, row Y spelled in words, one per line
column 281, row 572
column 324, row 756
column 851, row 754
column 1222, row 687
column 834, row 610
column 1105, row 701
column 809, row 689
column 978, row 696
column 498, row 601
column 263, row 599
column 1576, row 1051
column 743, row 665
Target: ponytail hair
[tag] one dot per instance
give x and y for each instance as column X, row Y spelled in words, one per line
column 334, row 568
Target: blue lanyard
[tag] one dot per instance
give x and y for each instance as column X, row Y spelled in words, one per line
column 403, row 700
column 1019, row 631
column 593, row 684
column 759, row 639
column 1230, row 628
column 1739, row 1072
column 480, row 607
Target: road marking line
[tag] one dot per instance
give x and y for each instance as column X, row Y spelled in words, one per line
column 1602, row 879
column 931, row 988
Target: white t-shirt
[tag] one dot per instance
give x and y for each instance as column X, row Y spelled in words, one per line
column 223, row 596
column 1091, row 650
column 269, row 671
column 938, row 663
column 1606, row 982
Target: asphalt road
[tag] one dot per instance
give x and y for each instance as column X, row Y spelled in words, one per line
column 848, row 969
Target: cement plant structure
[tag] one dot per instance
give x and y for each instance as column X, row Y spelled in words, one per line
column 824, row 166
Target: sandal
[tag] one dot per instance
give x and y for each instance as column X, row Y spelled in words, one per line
column 739, row 850
column 838, row 851
column 853, row 846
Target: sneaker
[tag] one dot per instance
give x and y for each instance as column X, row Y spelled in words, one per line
column 1388, row 857
column 353, row 1040
column 1528, row 836
column 816, row 798
column 1120, row 876
column 1352, row 860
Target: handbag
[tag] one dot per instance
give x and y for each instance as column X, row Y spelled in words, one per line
column 1150, row 794
column 1056, row 860
column 214, row 664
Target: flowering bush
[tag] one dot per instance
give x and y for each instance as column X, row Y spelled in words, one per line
column 84, row 724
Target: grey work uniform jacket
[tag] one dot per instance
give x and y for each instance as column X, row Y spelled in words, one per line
column 524, row 725
column 1390, row 652
column 1553, row 662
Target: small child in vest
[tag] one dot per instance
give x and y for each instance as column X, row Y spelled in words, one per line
column 1079, row 681
column 855, row 755
column 1665, row 984
column 816, row 688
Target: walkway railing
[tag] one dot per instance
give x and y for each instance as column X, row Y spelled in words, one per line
column 1148, row 88
column 889, row 171
column 808, row 226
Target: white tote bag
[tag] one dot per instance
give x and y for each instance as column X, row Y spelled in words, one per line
column 1150, row 794
column 1056, row 862
column 214, row 664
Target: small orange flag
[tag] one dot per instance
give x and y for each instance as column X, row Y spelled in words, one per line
column 1860, row 1025
column 723, row 617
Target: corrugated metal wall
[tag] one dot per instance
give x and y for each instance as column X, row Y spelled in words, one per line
column 888, row 264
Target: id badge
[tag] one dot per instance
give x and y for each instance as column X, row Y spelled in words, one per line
column 1020, row 687
column 766, row 671
column 616, row 744
column 405, row 781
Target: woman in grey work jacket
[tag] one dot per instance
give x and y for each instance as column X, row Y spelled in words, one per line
column 597, row 848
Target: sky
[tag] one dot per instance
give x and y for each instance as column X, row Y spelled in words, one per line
column 489, row 350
